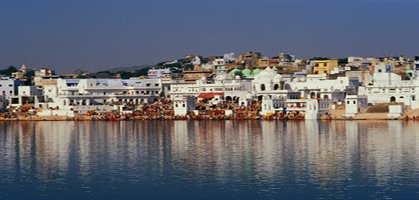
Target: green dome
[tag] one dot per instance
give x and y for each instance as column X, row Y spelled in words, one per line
column 235, row 72
column 247, row 72
column 256, row 71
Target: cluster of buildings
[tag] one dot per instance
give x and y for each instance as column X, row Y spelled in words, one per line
column 278, row 85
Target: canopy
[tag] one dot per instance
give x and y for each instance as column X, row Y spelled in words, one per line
column 210, row 95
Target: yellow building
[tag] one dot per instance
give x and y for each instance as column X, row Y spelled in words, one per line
column 324, row 66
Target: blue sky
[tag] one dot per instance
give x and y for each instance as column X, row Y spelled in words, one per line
column 100, row 34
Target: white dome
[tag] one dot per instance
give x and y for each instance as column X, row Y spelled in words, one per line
column 268, row 73
column 278, row 76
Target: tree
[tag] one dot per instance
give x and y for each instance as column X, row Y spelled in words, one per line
column 8, row 71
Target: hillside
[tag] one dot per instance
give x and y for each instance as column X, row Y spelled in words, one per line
column 128, row 69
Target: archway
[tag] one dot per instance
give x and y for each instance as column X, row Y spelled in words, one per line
column 312, row 95
column 228, row 99
column 276, row 86
column 392, row 99
column 262, row 87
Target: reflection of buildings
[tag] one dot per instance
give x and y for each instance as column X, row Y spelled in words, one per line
column 324, row 153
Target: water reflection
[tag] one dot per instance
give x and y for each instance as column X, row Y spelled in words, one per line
column 223, row 159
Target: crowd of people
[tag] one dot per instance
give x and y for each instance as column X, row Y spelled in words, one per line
column 163, row 110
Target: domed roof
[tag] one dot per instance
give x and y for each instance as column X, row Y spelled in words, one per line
column 268, row 73
column 256, row 71
column 235, row 72
column 247, row 72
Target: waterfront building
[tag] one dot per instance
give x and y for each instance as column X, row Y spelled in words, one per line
column 387, row 87
column 183, row 104
column 269, row 83
column 318, row 86
column 278, row 93
column 102, row 94
column 355, row 104
column 27, row 95
column 9, row 86
column 203, row 86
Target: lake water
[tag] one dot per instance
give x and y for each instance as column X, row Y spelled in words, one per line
column 209, row 160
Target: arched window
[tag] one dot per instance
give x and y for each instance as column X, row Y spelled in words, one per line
column 262, row 87
column 312, row 95
column 392, row 99
column 276, row 86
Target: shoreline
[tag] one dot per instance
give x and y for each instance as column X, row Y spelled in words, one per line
column 356, row 118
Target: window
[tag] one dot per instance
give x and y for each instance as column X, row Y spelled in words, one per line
column 348, row 102
column 183, row 105
column 262, row 87
column 148, row 84
column 354, row 102
column 10, row 85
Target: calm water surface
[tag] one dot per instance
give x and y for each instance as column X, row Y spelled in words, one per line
column 209, row 160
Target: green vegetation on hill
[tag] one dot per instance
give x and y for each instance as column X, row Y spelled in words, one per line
column 8, row 71
column 121, row 74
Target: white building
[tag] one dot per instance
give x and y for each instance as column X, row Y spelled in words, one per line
column 389, row 87
column 9, row 87
column 87, row 94
column 355, row 104
column 202, row 86
column 159, row 73
column 270, row 83
column 27, row 95
column 183, row 104
column 318, row 86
